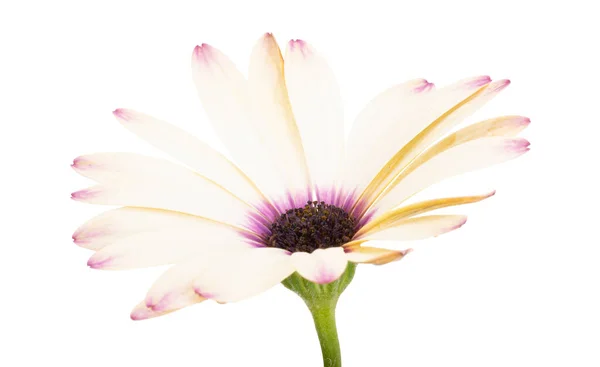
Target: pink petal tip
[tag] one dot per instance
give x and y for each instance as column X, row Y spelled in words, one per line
column 407, row 251
column 299, row 45
column 83, row 195
column 123, row 114
column 498, row 86
column 80, row 163
column 203, row 294
column 425, row 86
column 479, row 81
column 140, row 314
column 456, row 226
column 97, row 263
column 202, row 53
column 517, row 145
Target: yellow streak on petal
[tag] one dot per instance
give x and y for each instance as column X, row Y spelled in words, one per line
column 391, row 218
column 375, row 255
column 275, row 57
column 499, row 126
column 403, row 156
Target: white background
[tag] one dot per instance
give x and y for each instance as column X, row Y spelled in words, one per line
column 517, row 286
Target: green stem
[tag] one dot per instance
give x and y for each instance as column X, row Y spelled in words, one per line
column 324, row 317
column 321, row 300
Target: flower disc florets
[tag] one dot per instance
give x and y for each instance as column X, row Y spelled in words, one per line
column 316, row 225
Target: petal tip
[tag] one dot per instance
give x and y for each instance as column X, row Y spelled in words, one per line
column 202, row 52
column 479, row 81
column 298, row 45
column 203, row 294
column 517, row 146
column 499, row 86
column 83, row 195
column 99, row 263
column 424, row 86
column 140, row 314
column 81, row 163
column 459, row 224
column 123, row 115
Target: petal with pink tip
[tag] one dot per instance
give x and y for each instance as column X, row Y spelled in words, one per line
column 143, row 312
column 474, row 147
column 190, row 151
column 322, row 265
column 380, row 128
column 109, row 168
column 225, row 96
column 373, row 255
column 174, row 288
column 412, row 229
column 317, row 105
column 393, row 217
column 393, row 118
column 117, row 224
column 463, row 158
column 136, row 180
column 164, row 247
column 243, row 274
column 454, row 113
column 274, row 120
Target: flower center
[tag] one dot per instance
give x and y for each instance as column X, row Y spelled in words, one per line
column 316, row 225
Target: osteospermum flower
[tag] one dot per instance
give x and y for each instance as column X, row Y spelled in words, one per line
column 297, row 204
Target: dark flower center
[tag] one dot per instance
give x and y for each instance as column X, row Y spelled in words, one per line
column 316, row 225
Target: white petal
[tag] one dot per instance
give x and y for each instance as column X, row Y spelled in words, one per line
column 274, row 119
column 194, row 195
column 115, row 167
column 116, row 224
column 382, row 127
column 143, row 312
column 174, row 288
column 167, row 246
column 224, row 93
column 322, row 266
column 416, row 228
column 467, row 157
column 373, row 255
column 474, row 99
column 471, row 148
column 243, row 274
column 317, row 106
column 393, row 217
column 190, row 151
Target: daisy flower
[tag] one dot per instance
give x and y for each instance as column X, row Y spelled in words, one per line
column 297, row 204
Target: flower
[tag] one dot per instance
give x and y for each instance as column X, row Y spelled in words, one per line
column 299, row 198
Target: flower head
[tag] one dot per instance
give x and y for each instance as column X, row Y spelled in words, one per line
column 297, row 197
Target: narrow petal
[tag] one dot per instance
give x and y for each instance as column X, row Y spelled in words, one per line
column 474, row 147
column 167, row 246
column 393, row 217
column 413, row 229
column 224, row 93
column 274, row 119
column 117, row 224
column 317, row 106
column 190, row 151
column 143, row 312
column 197, row 196
column 114, row 167
column 380, row 129
column 243, row 274
column 322, row 266
column 433, row 131
column 174, row 288
column 373, row 255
